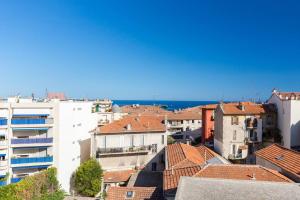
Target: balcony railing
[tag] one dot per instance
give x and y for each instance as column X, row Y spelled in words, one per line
column 2, row 183
column 31, row 160
column 28, row 121
column 124, row 150
column 15, row 180
column 31, row 140
column 251, row 139
column 3, row 122
column 235, row 156
column 3, row 143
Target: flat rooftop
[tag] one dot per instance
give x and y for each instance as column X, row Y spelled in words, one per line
column 190, row 188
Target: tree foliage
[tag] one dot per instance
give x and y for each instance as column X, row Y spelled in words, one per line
column 88, row 178
column 38, row 186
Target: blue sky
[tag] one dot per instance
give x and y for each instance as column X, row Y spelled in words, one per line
column 175, row 50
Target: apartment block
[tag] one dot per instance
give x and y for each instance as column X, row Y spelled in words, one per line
column 132, row 142
column 37, row 134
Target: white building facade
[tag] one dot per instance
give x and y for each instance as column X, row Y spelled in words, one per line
column 238, row 130
column 288, row 111
column 127, row 144
column 35, row 135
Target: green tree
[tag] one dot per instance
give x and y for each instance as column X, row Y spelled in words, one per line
column 88, row 178
column 170, row 140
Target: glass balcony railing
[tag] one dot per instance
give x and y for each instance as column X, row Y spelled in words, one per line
column 31, row 160
column 31, row 140
column 3, row 122
column 2, row 183
column 17, row 121
column 15, row 180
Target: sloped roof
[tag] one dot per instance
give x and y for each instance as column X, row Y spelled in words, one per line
column 139, row 193
column 241, row 172
column 137, row 124
column 171, row 177
column 282, row 157
column 249, row 109
column 183, row 155
column 117, row 176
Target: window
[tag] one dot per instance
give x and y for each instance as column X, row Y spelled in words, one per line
column 234, row 135
column 129, row 194
column 154, row 166
column 162, row 139
column 181, row 121
column 234, row 120
column 193, row 121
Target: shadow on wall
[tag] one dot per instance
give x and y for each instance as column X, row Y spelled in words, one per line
column 85, row 150
column 295, row 134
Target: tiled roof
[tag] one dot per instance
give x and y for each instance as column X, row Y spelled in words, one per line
column 241, row 172
column 210, row 107
column 56, row 95
column 288, row 95
column 249, row 109
column 143, row 109
column 184, row 115
column 183, row 155
column 133, row 124
column 172, row 176
column 117, row 176
column 139, row 193
column 284, row 158
column 238, row 172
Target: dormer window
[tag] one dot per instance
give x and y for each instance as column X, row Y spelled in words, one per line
column 129, row 194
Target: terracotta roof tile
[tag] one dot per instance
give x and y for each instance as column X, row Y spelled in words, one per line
column 249, row 108
column 184, row 115
column 183, row 155
column 171, row 177
column 282, row 157
column 288, row 95
column 137, row 124
column 241, row 172
column 117, row 176
column 139, row 193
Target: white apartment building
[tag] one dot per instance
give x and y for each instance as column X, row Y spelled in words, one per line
column 288, row 110
column 238, row 129
column 133, row 142
column 183, row 121
column 36, row 134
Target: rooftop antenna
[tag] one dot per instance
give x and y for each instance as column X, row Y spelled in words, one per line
column 46, row 92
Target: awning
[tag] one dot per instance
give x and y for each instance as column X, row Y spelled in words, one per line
column 29, row 115
column 31, row 167
column 3, row 154
column 30, row 129
column 34, row 147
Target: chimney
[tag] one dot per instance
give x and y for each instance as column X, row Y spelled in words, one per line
column 253, row 177
column 172, row 170
column 128, row 127
column 241, row 106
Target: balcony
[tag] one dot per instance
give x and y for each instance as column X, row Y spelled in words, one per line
column 31, row 160
column 3, row 164
column 3, row 122
column 18, row 121
column 235, row 156
column 32, row 141
column 251, row 123
column 124, row 150
column 3, row 144
column 251, row 139
column 2, row 183
column 15, row 180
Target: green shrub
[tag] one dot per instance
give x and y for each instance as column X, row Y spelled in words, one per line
column 88, row 178
column 35, row 187
column 170, row 140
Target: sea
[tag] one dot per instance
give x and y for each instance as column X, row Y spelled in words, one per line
column 169, row 105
